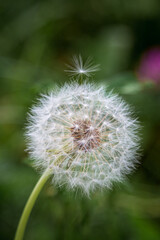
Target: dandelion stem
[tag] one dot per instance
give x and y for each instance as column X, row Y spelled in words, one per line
column 29, row 205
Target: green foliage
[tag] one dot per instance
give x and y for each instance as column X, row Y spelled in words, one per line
column 37, row 38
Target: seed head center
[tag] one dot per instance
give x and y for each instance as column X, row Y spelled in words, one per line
column 85, row 136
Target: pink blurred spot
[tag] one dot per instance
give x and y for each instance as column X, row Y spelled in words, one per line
column 149, row 67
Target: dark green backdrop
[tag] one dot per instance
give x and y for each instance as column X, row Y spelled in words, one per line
column 37, row 38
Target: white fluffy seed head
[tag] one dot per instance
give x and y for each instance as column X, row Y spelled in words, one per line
column 85, row 136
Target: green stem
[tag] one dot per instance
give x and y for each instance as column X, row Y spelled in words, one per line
column 29, row 205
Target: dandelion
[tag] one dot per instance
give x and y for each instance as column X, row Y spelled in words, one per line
column 86, row 138
column 81, row 137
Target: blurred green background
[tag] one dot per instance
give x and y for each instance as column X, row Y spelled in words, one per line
column 37, row 38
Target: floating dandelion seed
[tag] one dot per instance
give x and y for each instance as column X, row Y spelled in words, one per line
column 80, row 68
column 86, row 138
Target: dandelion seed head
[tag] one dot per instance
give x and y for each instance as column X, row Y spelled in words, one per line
column 88, row 144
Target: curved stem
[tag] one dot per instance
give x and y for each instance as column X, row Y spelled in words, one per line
column 29, row 205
